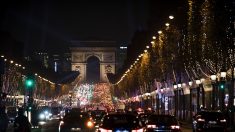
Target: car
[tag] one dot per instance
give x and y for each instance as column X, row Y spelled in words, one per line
column 76, row 121
column 97, row 115
column 209, row 120
column 11, row 113
column 56, row 112
column 163, row 123
column 121, row 122
column 143, row 117
column 44, row 114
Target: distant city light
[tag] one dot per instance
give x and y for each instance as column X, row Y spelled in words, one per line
column 55, row 66
column 122, row 47
column 171, row 17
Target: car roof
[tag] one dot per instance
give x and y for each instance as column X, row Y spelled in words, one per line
column 208, row 112
column 163, row 115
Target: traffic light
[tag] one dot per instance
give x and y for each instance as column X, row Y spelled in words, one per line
column 29, row 81
column 222, row 85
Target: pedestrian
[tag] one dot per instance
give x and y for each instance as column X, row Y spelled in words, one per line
column 3, row 119
column 22, row 123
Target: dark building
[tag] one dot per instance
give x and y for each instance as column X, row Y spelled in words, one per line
column 121, row 57
column 56, row 62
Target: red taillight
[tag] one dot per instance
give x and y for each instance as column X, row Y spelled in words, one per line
column 138, row 130
column 151, row 126
column 104, row 130
column 90, row 124
column 175, row 127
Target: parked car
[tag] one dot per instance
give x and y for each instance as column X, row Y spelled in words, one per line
column 76, row 121
column 163, row 123
column 209, row 120
column 121, row 122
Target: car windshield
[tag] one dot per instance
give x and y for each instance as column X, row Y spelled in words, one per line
column 97, row 114
column 120, row 120
column 55, row 110
column 160, row 120
column 74, row 117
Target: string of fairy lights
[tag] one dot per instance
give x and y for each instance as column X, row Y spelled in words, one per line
column 11, row 61
column 221, row 74
column 144, row 52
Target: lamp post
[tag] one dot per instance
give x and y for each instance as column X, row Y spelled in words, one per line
column 198, row 82
column 222, row 87
column 190, row 83
column 214, row 90
column 179, row 98
column 176, row 98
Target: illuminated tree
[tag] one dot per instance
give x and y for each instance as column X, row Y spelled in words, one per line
column 102, row 95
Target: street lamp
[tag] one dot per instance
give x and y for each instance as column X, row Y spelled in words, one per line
column 214, row 90
column 198, row 82
column 213, row 77
column 167, row 24
column 190, row 83
column 223, row 73
column 181, row 98
column 179, row 85
column 171, row 17
column 222, row 87
column 176, row 98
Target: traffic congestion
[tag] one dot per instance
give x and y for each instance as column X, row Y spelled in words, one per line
column 57, row 119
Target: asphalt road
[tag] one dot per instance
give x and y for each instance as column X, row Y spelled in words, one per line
column 52, row 126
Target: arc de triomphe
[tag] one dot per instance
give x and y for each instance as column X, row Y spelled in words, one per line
column 82, row 52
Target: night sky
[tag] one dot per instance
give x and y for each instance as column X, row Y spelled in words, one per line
column 52, row 25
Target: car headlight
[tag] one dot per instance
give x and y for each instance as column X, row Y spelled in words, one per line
column 46, row 112
column 42, row 116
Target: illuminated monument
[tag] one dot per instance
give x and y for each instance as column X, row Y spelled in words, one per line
column 103, row 51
